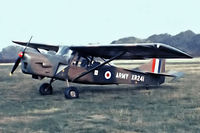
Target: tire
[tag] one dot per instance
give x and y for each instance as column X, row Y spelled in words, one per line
column 46, row 89
column 71, row 93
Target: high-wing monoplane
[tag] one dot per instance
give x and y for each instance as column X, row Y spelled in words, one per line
column 90, row 64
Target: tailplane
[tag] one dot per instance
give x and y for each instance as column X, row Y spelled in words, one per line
column 157, row 67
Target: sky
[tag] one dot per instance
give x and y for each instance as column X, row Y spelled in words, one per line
column 68, row 22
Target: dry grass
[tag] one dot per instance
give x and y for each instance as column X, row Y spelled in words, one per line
column 172, row 107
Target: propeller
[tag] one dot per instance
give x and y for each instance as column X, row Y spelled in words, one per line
column 21, row 55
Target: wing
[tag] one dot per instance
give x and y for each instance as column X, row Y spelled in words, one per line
column 40, row 46
column 132, row 51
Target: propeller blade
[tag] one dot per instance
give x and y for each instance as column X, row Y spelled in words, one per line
column 15, row 65
column 27, row 44
column 21, row 55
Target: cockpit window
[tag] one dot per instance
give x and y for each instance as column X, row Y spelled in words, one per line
column 51, row 52
column 65, row 51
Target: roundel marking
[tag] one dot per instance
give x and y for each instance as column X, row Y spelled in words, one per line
column 107, row 75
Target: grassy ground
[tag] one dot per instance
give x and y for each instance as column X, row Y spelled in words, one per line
column 173, row 107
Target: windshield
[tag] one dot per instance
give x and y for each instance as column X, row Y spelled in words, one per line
column 65, row 51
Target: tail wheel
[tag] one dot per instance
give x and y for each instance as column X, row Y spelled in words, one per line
column 71, row 93
column 146, row 86
column 46, row 89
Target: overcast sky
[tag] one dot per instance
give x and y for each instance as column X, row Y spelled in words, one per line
column 66, row 22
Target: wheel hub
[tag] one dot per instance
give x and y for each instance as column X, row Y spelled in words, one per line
column 46, row 89
column 72, row 93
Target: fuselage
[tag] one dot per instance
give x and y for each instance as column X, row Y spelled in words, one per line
column 69, row 65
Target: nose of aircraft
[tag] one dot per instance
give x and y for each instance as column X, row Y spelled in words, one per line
column 20, row 56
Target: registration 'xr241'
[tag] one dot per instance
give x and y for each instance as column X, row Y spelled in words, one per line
column 137, row 78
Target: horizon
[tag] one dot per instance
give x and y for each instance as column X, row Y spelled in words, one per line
column 13, row 44
column 82, row 22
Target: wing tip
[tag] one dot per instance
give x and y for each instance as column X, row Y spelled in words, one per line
column 186, row 55
column 14, row 41
column 18, row 42
column 189, row 56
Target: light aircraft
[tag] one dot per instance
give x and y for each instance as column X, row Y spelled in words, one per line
column 90, row 64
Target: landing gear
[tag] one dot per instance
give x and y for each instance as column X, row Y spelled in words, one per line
column 46, row 89
column 71, row 93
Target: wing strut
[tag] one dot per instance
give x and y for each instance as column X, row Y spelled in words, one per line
column 100, row 65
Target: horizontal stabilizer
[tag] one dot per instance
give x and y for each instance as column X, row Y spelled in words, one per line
column 162, row 74
column 174, row 74
column 177, row 75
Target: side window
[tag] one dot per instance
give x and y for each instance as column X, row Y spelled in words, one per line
column 95, row 63
column 83, row 62
column 75, row 59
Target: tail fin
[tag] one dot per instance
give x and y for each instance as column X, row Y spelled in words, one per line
column 154, row 66
column 158, row 65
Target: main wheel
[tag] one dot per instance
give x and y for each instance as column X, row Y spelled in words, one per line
column 71, row 93
column 46, row 89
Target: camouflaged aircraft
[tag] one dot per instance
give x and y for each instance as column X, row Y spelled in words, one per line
column 90, row 64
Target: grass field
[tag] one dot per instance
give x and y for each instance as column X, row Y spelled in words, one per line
column 172, row 107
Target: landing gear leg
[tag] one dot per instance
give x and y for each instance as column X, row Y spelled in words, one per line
column 46, row 88
column 71, row 92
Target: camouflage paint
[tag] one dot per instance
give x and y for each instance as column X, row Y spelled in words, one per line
column 45, row 65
